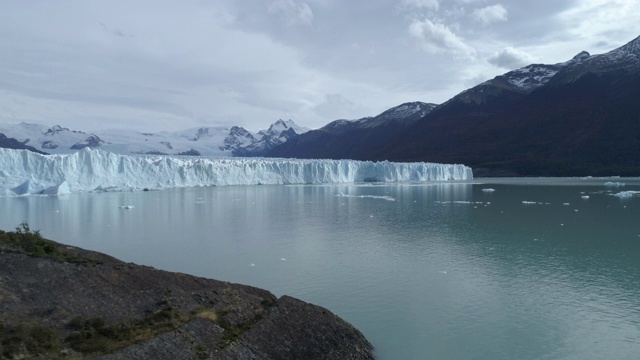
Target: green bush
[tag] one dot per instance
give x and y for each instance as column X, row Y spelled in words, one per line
column 30, row 242
column 28, row 340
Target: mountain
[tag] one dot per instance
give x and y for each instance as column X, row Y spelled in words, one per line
column 11, row 143
column 352, row 139
column 54, row 139
column 584, row 119
column 277, row 134
column 91, row 141
column 221, row 141
column 580, row 117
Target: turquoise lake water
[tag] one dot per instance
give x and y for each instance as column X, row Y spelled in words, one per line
column 425, row 271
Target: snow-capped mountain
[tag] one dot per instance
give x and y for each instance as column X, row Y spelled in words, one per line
column 220, row 141
column 519, row 82
column 278, row 133
column 575, row 118
column 624, row 60
column 238, row 137
column 570, row 119
column 54, row 139
column 352, row 139
column 92, row 141
column 97, row 170
column 11, row 143
column 400, row 115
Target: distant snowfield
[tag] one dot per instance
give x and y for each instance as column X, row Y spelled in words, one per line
column 215, row 141
column 26, row 173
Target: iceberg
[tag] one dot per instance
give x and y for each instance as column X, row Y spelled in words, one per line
column 24, row 172
column 613, row 184
column 626, row 194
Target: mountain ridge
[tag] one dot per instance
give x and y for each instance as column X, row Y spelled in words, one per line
column 582, row 121
column 220, row 141
column 576, row 118
column 352, row 139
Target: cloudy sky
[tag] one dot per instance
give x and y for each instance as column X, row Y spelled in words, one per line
column 177, row 64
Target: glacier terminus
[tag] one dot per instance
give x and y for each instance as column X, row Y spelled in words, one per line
column 25, row 173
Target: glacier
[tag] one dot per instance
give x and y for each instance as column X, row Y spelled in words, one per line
column 23, row 172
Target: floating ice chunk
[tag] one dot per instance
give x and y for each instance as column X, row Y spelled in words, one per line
column 127, row 207
column 488, row 190
column 613, row 184
column 584, row 197
column 529, row 202
column 252, row 264
column 566, row 204
column 283, row 259
column 443, row 271
column 388, row 198
column 626, row 194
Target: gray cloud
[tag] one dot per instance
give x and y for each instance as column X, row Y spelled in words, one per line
column 337, row 106
column 437, row 37
column 490, row 14
column 293, row 13
column 511, row 58
column 426, row 4
column 169, row 64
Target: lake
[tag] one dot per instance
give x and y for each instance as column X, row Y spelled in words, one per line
column 425, row 271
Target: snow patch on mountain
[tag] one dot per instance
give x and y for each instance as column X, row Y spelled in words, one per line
column 404, row 113
column 531, row 77
column 523, row 81
column 278, row 133
column 92, row 141
column 24, row 172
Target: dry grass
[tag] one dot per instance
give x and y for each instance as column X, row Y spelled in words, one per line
column 207, row 314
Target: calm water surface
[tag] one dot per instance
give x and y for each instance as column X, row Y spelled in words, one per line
column 438, row 271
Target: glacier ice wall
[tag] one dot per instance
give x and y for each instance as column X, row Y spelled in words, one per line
column 23, row 172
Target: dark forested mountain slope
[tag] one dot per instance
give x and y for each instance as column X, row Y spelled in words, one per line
column 11, row 143
column 355, row 139
column 584, row 120
column 580, row 117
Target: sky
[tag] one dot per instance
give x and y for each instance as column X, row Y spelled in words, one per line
column 178, row 64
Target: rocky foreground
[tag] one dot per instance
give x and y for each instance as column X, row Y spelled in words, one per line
column 59, row 301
